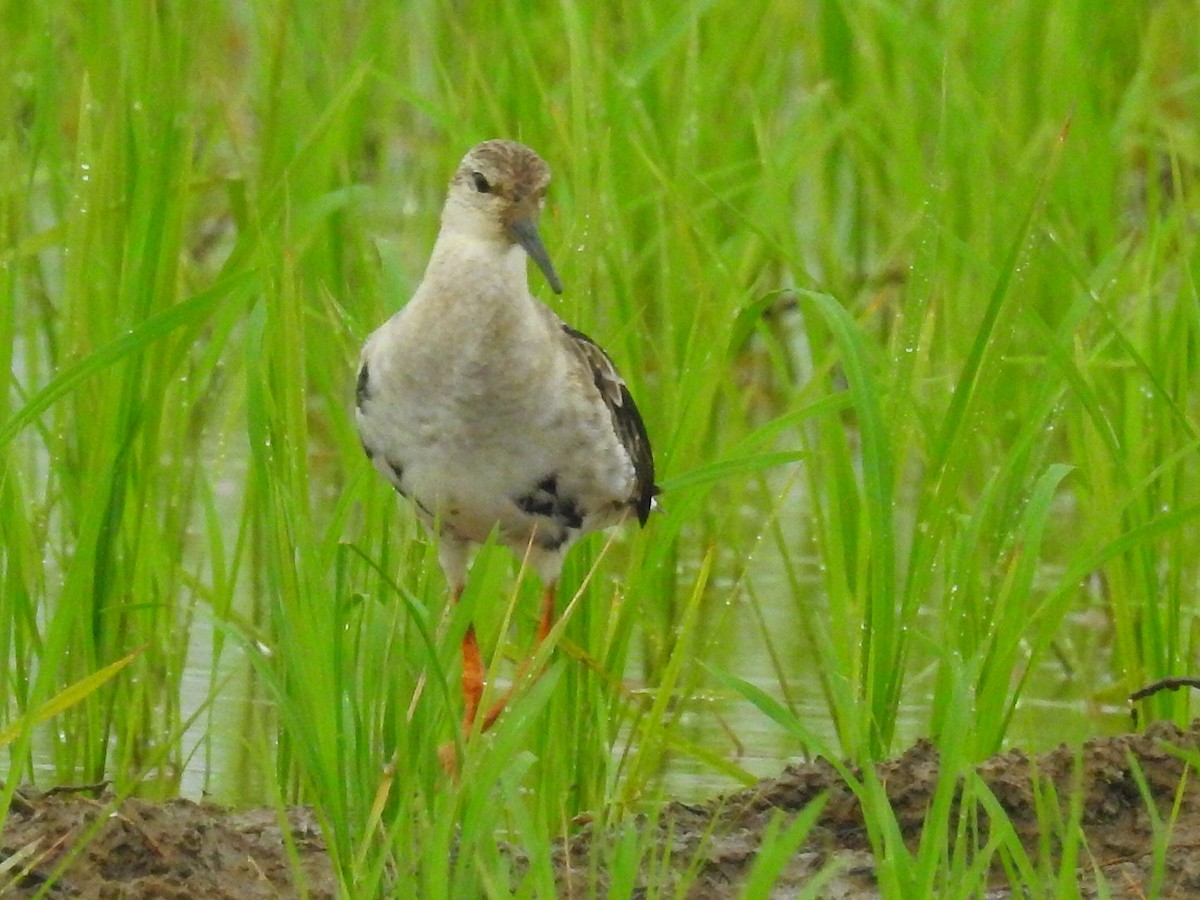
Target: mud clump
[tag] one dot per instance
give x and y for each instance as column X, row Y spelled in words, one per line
column 172, row 850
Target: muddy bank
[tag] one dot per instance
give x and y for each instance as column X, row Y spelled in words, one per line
column 182, row 849
column 719, row 840
column 178, row 850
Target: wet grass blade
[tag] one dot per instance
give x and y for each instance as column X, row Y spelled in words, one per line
column 67, row 698
column 189, row 313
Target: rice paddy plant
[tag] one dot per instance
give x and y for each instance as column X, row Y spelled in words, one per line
column 973, row 443
column 906, row 296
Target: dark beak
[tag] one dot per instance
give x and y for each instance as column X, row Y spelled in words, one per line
column 525, row 230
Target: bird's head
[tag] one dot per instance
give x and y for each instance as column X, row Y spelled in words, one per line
column 497, row 194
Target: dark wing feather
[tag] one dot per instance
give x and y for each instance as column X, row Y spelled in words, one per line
column 627, row 421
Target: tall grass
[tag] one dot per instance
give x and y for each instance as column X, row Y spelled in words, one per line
column 927, row 267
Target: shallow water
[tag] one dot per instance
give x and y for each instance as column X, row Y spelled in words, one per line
column 1056, row 709
column 227, row 749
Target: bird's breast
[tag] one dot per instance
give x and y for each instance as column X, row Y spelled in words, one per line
column 482, row 420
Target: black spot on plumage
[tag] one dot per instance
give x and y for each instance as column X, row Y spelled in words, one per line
column 363, row 392
column 397, row 470
column 546, row 502
column 548, row 541
column 569, row 513
column 536, row 506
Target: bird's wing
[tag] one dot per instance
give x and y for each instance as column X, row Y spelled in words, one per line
column 627, row 421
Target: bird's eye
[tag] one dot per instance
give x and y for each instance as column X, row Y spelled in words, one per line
column 481, row 183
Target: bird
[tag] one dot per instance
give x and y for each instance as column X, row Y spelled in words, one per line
column 487, row 411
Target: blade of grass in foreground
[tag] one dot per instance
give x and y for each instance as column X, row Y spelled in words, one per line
column 883, row 643
column 66, row 698
column 188, row 313
column 776, row 849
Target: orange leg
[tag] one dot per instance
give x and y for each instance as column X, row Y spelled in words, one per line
column 545, row 623
column 472, row 689
column 472, row 678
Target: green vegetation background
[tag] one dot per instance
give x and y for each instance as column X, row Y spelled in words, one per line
column 906, row 291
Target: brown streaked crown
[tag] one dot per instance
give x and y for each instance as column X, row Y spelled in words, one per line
column 512, row 171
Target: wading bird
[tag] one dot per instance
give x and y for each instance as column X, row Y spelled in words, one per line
column 486, row 410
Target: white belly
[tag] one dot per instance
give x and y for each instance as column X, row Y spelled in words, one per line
column 470, row 445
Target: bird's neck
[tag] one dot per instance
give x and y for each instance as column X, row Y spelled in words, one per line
column 477, row 268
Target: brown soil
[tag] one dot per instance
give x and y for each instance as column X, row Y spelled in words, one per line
column 715, row 844
column 176, row 850
column 182, row 849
